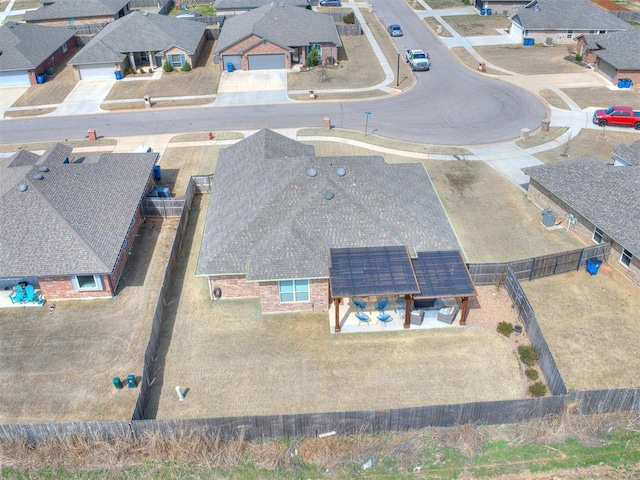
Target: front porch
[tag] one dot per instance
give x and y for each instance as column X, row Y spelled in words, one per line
column 349, row 323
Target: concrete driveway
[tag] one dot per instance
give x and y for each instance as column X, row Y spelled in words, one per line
column 9, row 96
column 85, row 98
column 256, row 87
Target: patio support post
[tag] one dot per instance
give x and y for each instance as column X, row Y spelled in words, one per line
column 465, row 310
column 336, row 305
column 407, row 311
column 151, row 62
column 132, row 61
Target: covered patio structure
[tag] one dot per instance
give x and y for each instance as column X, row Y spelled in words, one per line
column 391, row 272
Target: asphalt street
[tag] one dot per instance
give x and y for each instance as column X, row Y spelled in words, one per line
column 450, row 105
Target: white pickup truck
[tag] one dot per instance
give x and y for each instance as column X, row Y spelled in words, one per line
column 417, row 59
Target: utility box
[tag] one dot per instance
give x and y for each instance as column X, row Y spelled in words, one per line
column 92, row 134
column 147, row 101
column 548, row 218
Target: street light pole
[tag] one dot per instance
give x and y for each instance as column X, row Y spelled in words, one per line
column 398, row 71
column 366, row 123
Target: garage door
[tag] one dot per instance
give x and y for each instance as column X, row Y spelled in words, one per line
column 266, row 62
column 97, row 72
column 606, row 70
column 235, row 59
column 14, row 79
column 516, row 31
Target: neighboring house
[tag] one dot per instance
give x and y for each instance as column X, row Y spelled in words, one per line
column 500, row 7
column 74, row 12
column 233, row 7
column 601, row 202
column 562, row 21
column 276, row 211
column 614, row 55
column 68, row 226
column 276, row 36
column 140, row 40
column 30, row 50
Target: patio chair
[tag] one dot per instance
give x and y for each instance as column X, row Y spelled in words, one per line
column 359, row 302
column 385, row 318
column 381, row 303
column 17, row 295
column 30, row 296
column 448, row 314
column 363, row 317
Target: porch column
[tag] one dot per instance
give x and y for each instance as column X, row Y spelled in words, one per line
column 465, row 308
column 132, row 61
column 152, row 64
column 407, row 312
column 336, row 305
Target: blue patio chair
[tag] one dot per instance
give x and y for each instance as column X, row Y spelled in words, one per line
column 381, row 303
column 30, row 296
column 384, row 318
column 359, row 302
column 363, row 317
column 17, row 295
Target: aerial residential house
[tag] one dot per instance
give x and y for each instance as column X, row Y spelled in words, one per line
column 599, row 202
column 276, row 36
column 69, row 224
column 73, row 12
column 31, row 50
column 614, row 55
column 234, row 7
column 500, row 7
column 278, row 217
column 140, row 40
column 552, row 21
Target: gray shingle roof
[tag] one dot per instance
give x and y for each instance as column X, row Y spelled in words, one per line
column 25, row 47
column 62, row 9
column 222, row 5
column 607, row 196
column 268, row 219
column 628, row 153
column 576, row 15
column 140, row 32
column 287, row 26
column 75, row 219
column 619, row 49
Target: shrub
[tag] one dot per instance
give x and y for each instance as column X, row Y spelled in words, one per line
column 150, row 70
column 312, row 57
column 532, row 374
column 128, row 71
column 349, row 18
column 529, row 354
column 186, row 67
column 505, row 328
column 538, row 389
column 167, row 67
column 578, row 58
column 141, row 70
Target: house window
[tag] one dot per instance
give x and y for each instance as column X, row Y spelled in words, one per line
column 569, row 33
column 293, row 290
column 175, row 60
column 597, row 235
column 83, row 283
column 626, row 257
column 63, row 48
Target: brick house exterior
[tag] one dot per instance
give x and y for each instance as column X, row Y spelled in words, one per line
column 90, row 214
column 613, row 55
column 56, row 58
column 596, row 202
column 70, row 13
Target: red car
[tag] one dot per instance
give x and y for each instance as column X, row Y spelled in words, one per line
column 625, row 116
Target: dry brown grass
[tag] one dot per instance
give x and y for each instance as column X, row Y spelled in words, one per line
column 14, row 147
column 179, row 163
column 476, row 25
column 433, row 24
column 52, row 92
column 540, row 137
column 603, row 97
column 553, row 99
column 538, row 60
column 472, row 62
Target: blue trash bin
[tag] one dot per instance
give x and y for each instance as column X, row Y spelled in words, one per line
column 482, row 11
column 118, row 74
column 593, row 264
column 157, row 173
column 621, row 83
column 117, row 382
column 41, row 78
column 131, row 381
column 488, row 11
column 229, row 67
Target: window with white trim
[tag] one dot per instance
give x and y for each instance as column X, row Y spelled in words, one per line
column 175, row 60
column 570, row 34
column 597, row 235
column 293, row 290
column 85, row 283
column 626, row 257
column 64, row 48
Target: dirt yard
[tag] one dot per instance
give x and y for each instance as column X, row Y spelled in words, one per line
column 536, row 60
column 57, row 362
column 231, row 360
column 592, row 326
column 477, row 25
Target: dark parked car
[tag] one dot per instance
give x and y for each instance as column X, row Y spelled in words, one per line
column 330, row 3
column 394, row 30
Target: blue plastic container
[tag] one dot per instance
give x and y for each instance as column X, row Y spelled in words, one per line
column 117, row 382
column 593, row 264
column 41, row 78
column 157, row 173
column 131, row 381
column 118, row 74
column 482, row 11
column 621, row 83
column 229, row 67
column 488, row 11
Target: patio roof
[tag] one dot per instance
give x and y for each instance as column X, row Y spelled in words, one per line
column 368, row 271
column 442, row 274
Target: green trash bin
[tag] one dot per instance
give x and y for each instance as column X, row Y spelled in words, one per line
column 131, row 381
column 117, row 382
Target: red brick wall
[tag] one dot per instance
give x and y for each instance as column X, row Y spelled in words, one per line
column 61, row 288
column 583, row 229
column 58, row 57
column 64, row 22
column 318, row 294
column 114, row 278
column 234, row 286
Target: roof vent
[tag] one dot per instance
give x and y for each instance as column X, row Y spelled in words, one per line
column 341, row 172
column 281, row 4
column 312, row 172
column 328, row 195
column 22, row 187
column 38, row 176
column 44, row 168
column 146, row 14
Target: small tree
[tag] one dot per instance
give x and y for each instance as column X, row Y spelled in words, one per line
column 313, row 56
column 186, row 67
column 167, row 67
column 349, row 18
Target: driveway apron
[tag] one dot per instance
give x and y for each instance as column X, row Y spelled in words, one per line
column 255, row 87
column 8, row 96
column 85, row 98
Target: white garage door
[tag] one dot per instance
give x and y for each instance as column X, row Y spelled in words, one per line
column 266, row 62
column 97, row 72
column 14, row 79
